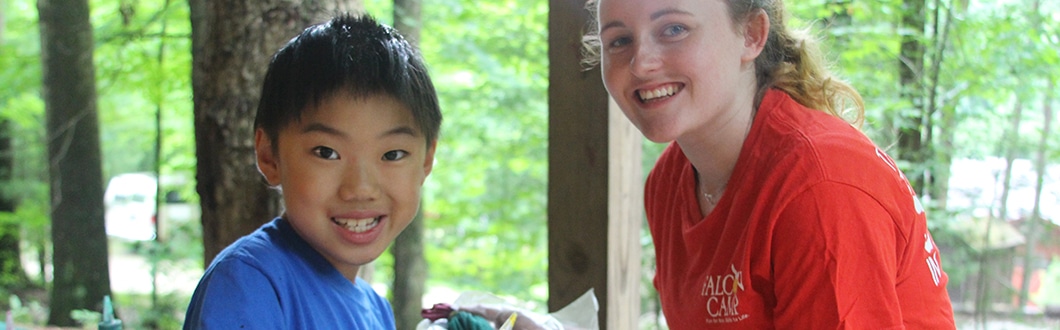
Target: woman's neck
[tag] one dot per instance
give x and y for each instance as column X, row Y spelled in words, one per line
column 713, row 151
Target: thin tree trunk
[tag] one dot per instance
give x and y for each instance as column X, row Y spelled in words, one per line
column 939, row 174
column 1031, row 225
column 410, row 274
column 12, row 275
column 911, row 127
column 1009, row 143
column 232, row 43
column 410, row 265
column 80, row 272
column 156, row 247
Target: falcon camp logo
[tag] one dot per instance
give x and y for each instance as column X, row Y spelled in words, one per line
column 723, row 299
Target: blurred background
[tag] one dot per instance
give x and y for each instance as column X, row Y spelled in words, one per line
column 961, row 92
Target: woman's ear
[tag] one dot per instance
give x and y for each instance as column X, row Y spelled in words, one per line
column 268, row 162
column 756, row 32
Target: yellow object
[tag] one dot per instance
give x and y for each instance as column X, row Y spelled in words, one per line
column 509, row 323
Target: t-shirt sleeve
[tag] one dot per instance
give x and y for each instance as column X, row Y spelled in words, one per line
column 834, row 259
column 235, row 295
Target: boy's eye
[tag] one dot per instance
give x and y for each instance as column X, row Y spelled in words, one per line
column 674, row 30
column 326, row 153
column 395, row 155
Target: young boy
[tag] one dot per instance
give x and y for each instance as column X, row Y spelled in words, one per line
column 346, row 130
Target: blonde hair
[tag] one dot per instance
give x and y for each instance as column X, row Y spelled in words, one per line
column 790, row 61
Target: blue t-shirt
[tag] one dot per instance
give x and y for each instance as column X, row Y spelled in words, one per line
column 273, row 279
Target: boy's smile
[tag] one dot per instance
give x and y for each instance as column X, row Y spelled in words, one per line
column 357, row 225
column 350, row 171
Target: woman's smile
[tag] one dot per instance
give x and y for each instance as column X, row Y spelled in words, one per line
column 659, row 93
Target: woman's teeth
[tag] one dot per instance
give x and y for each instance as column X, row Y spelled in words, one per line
column 357, row 225
column 660, row 92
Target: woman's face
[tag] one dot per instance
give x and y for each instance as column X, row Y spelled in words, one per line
column 675, row 66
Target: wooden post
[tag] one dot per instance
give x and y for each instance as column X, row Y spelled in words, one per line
column 595, row 182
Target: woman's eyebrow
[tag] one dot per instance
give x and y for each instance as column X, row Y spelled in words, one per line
column 654, row 16
column 669, row 11
column 612, row 24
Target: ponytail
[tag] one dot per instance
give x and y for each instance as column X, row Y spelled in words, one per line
column 792, row 62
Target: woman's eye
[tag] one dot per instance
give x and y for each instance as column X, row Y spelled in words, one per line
column 618, row 42
column 674, row 30
column 326, row 153
column 395, row 155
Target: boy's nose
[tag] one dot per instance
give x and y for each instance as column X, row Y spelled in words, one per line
column 359, row 182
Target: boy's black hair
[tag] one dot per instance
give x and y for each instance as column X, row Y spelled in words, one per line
column 351, row 54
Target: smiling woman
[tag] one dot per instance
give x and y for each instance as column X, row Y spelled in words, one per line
column 767, row 209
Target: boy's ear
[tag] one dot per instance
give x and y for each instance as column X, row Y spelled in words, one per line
column 428, row 162
column 268, row 162
column 756, row 32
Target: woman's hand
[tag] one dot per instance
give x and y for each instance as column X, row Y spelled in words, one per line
column 498, row 315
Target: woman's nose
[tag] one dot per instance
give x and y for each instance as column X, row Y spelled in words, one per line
column 645, row 60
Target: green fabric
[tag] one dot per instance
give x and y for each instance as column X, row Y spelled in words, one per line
column 468, row 321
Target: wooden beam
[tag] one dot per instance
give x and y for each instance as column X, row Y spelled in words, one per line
column 625, row 214
column 595, row 182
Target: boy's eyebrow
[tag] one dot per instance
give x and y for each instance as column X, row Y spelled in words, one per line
column 402, row 130
column 323, row 128
column 318, row 127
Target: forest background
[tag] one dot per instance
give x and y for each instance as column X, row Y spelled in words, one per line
column 943, row 80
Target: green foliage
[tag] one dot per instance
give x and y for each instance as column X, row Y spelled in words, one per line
column 486, row 198
column 138, row 311
column 25, row 313
column 1050, row 289
column 88, row 319
column 142, row 60
column 143, row 66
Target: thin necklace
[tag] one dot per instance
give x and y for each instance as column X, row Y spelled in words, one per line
column 711, row 197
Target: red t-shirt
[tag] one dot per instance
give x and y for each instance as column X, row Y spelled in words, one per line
column 818, row 229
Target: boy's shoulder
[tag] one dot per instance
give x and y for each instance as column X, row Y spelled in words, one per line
column 267, row 240
column 271, row 277
column 276, row 252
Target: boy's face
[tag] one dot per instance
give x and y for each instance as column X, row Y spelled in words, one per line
column 350, row 173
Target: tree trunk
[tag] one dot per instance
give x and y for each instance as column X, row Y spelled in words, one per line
column 410, row 275
column 1030, row 227
column 942, row 156
column 80, row 271
column 912, row 147
column 410, row 265
column 1008, row 145
column 232, row 43
column 12, row 275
